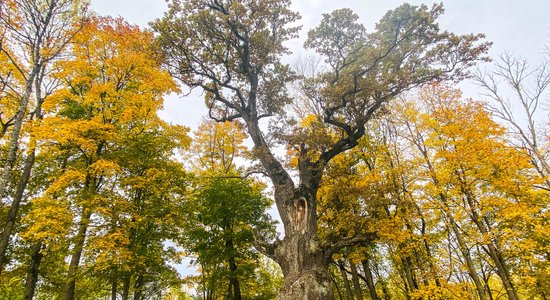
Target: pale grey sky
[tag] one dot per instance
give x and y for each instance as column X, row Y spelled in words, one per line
column 519, row 27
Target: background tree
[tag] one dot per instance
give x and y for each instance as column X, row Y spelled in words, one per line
column 34, row 34
column 225, row 211
column 113, row 89
column 232, row 51
column 438, row 182
column 516, row 87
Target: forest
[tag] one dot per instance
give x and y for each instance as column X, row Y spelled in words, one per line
column 387, row 182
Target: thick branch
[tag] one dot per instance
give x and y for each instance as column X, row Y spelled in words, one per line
column 349, row 242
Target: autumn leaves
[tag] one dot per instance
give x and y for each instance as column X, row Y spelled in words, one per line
column 389, row 175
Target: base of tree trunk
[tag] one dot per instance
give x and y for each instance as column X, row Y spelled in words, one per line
column 309, row 285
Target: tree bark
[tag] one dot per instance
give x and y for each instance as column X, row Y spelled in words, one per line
column 234, row 281
column 25, row 176
column 14, row 209
column 466, row 254
column 305, row 270
column 335, row 285
column 496, row 256
column 138, row 288
column 347, row 286
column 32, row 274
column 126, row 288
column 409, row 273
column 77, row 253
column 113, row 289
column 369, row 280
column 16, row 132
column 355, row 279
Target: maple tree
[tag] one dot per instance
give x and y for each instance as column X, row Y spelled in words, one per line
column 114, row 88
column 34, row 34
column 483, row 175
column 223, row 215
column 392, row 185
column 232, row 51
column 409, row 181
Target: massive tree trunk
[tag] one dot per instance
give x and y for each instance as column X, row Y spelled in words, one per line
column 304, row 269
column 302, row 259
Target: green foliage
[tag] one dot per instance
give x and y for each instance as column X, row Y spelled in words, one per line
column 231, row 42
column 433, row 183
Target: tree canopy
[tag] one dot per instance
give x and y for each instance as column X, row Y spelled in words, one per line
column 389, row 184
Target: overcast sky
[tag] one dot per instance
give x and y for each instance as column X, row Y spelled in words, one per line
column 519, row 27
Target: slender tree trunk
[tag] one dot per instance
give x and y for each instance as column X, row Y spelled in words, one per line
column 468, row 258
column 14, row 209
column 114, row 289
column 355, row 279
column 233, row 280
column 432, row 266
column 409, row 273
column 488, row 287
column 494, row 253
column 16, row 132
column 32, row 273
column 454, row 226
column 385, row 289
column 25, row 176
column 369, row 279
column 126, row 287
column 347, row 286
column 234, row 285
column 77, row 253
column 138, row 288
column 502, row 271
column 427, row 248
column 335, row 284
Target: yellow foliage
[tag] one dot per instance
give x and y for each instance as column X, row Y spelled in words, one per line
column 103, row 167
column 68, row 178
column 49, row 221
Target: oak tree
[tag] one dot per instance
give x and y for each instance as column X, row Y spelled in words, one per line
column 232, row 50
